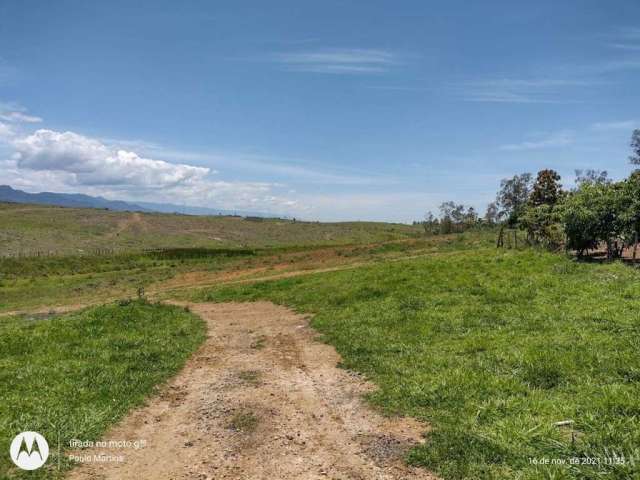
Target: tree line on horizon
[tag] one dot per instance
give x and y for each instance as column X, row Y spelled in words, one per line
column 596, row 211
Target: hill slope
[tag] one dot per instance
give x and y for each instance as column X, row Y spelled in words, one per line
column 78, row 200
column 28, row 228
column 8, row 194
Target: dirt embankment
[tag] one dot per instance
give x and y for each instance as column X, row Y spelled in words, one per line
column 261, row 399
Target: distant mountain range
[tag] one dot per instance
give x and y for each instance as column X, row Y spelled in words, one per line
column 79, row 200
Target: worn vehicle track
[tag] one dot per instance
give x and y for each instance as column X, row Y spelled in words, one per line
column 261, row 399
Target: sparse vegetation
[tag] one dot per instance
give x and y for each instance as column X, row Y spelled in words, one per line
column 258, row 343
column 244, row 421
column 252, row 377
column 29, row 229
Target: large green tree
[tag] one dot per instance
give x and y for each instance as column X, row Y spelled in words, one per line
column 546, row 189
column 635, row 147
column 599, row 213
column 592, row 176
column 513, row 196
column 629, row 216
column 540, row 217
column 492, row 214
column 543, row 225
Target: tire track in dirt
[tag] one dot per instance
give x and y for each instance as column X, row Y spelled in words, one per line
column 159, row 291
column 127, row 223
column 261, row 399
column 51, row 310
column 232, row 277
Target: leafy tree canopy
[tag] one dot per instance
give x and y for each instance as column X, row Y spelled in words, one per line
column 592, row 176
column 635, row 147
column 513, row 196
column 546, row 189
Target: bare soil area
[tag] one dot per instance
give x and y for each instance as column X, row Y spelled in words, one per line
column 261, row 399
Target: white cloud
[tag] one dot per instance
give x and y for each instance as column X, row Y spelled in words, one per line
column 69, row 162
column 626, row 38
column 339, row 61
column 312, row 174
column 400, row 206
column 619, row 125
column 630, row 33
column 93, row 163
column 253, row 163
column 6, row 131
column 558, row 139
column 559, row 80
column 19, row 117
column 16, row 113
column 587, row 136
column 626, row 46
column 513, row 90
column 613, row 66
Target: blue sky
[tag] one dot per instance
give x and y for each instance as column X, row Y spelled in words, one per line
column 326, row 110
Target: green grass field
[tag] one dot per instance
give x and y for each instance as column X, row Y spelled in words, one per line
column 59, row 280
column 492, row 348
column 72, row 376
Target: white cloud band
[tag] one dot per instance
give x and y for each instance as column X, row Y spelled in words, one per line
column 67, row 161
column 93, row 163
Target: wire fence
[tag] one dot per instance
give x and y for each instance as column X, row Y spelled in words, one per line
column 186, row 252
column 508, row 238
column 26, row 253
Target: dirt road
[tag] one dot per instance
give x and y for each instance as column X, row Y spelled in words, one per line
column 261, row 399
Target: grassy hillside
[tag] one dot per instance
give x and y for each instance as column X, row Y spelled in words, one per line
column 72, row 376
column 88, row 279
column 47, row 282
column 30, row 228
column 493, row 349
